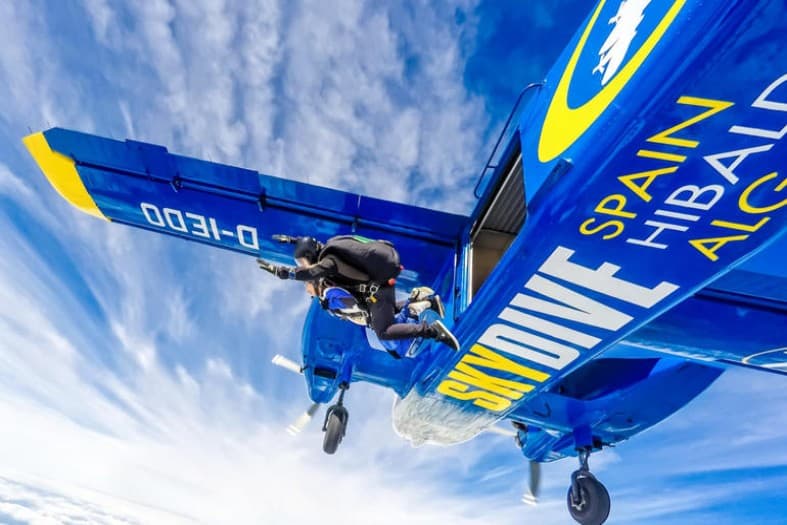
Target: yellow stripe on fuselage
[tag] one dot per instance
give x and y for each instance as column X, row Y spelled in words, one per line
column 62, row 174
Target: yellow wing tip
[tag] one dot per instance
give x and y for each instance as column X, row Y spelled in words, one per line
column 62, row 174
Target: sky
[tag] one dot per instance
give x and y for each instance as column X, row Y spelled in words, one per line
column 135, row 375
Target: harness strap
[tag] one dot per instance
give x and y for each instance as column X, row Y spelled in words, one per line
column 370, row 288
column 367, row 291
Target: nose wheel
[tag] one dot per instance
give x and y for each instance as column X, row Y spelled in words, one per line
column 588, row 499
column 335, row 425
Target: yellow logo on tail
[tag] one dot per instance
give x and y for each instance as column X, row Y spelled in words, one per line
column 564, row 125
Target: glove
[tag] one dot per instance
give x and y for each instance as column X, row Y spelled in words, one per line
column 283, row 272
column 265, row 265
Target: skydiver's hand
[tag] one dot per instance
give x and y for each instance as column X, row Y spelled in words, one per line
column 283, row 272
column 265, row 265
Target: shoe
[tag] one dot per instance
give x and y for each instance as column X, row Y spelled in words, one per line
column 420, row 293
column 437, row 305
column 444, row 335
column 416, row 309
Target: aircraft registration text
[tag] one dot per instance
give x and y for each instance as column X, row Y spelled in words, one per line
column 184, row 222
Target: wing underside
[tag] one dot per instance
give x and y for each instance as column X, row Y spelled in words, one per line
column 741, row 319
column 145, row 186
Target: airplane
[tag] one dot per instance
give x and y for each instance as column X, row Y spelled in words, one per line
column 623, row 251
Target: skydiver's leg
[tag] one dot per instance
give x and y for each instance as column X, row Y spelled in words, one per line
column 407, row 331
column 424, row 293
column 417, row 308
column 382, row 313
column 382, row 322
column 382, row 310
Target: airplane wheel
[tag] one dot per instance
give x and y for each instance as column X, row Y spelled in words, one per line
column 335, row 428
column 593, row 507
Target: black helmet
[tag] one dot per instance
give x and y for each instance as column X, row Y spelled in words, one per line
column 308, row 248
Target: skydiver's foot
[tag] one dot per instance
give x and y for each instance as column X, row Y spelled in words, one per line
column 422, row 298
column 444, row 335
column 420, row 293
column 417, row 308
column 437, row 305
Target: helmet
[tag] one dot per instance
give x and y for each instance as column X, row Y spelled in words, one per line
column 308, row 248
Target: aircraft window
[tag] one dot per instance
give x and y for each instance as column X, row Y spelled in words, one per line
column 499, row 224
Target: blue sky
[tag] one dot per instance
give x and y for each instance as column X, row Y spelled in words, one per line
column 135, row 375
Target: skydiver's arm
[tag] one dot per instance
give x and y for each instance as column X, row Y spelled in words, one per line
column 324, row 268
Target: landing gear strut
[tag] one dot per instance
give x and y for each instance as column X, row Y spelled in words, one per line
column 335, row 425
column 588, row 499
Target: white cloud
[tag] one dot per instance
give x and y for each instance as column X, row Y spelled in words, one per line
column 31, row 502
column 11, row 185
column 128, row 120
column 37, row 91
column 358, row 117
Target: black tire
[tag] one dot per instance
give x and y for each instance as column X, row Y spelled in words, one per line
column 334, row 432
column 594, row 506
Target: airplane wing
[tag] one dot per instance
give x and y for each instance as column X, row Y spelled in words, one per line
column 145, row 186
column 740, row 319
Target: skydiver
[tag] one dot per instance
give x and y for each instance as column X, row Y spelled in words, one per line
column 342, row 304
column 379, row 299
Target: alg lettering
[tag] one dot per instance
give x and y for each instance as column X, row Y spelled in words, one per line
column 684, row 206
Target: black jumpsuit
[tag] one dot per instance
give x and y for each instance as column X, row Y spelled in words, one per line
column 381, row 311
